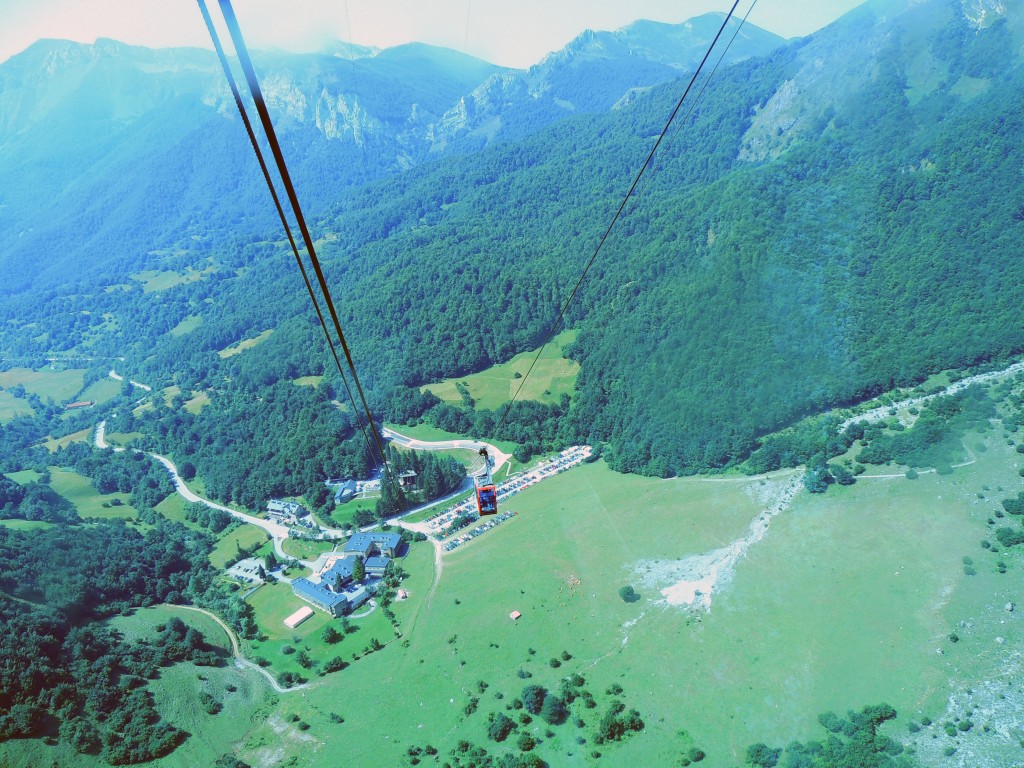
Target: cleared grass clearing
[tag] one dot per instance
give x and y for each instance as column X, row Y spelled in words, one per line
column 227, row 546
column 122, row 438
column 82, row 436
column 101, row 391
column 79, row 491
column 308, row 381
column 187, row 325
column 24, row 525
column 12, row 407
column 143, row 622
column 59, row 385
column 196, row 403
column 24, row 476
column 154, row 280
column 173, row 508
column 552, row 376
column 240, row 346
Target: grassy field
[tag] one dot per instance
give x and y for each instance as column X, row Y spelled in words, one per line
column 59, row 385
column 308, row 381
column 849, row 600
column 173, row 508
column 156, row 280
column 12, row 407
column 195, row 404
column 227, row 546
column 87, row 500
column 142, row 623
column 82, row 436
column 240, row 346
column 24, row 476
column 102, row 390
column 121, row 438
column 844, row 603
column 306, row 550
column 24, row 525
column 552, row 376
column 190, row 323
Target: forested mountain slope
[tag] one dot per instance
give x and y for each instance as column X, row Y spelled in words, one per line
column 844, row 214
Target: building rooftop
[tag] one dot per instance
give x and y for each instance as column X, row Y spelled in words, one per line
column 377, row 562
column 321, row 593
column 363, row 542
column 344, row 567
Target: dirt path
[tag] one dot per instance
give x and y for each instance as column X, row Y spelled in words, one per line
column 882, row 411
column 236, row 651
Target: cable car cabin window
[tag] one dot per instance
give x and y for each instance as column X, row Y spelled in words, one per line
column 487, row 500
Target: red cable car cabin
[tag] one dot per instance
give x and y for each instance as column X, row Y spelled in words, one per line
column 487, row 500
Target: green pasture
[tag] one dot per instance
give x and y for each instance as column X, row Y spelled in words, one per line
column 24, row 476
column 240, row 346
column 187, row 325
column 82, row 436
column 173, row 508
column 306, row 550
column 102, row 390
column 154, row 280
column 308, row 381
column 24, row 525
column 844, row 603
column 142, row 624
column 58, row 385
column 552, row 376
column 88, row 501
column 240, row 537
column 195, row 404
column 12, row 407
column 122, row 438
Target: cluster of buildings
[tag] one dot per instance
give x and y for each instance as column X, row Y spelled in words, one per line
column 333, row 589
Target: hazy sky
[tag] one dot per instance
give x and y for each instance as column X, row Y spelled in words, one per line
column 514, row 33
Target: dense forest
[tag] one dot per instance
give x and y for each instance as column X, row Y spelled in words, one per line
column 66, row 674
column 790, row 251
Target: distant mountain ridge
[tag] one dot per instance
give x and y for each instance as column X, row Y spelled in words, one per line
column 77, row 120
column 591, row 74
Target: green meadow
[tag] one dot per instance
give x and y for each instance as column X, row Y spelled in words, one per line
column 102, row 390
column 12, row 407
column 88, row 501
column 552, row 376
column 851, row 598
column 58, row 385
column 847, row 601
column 240, row 537
column 240, row 346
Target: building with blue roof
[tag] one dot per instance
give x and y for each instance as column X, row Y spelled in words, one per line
column 373, row 544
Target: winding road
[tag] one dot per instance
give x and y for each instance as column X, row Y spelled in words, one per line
column 276, row 531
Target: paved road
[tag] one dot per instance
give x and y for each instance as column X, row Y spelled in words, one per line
column 276, row 530
column 118, row 377
column 499, row 456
